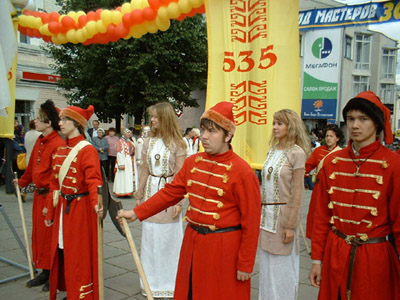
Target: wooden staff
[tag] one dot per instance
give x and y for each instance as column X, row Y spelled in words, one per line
column 137, row 259
column 304, row 238
column 100, row 247
column 21, row 211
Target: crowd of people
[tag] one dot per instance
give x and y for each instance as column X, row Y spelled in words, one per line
column 353, row 220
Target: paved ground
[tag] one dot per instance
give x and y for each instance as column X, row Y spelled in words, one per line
column 121, row 277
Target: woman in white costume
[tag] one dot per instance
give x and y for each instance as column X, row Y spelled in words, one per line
column 163, row 154
column 282, row 198
column 124, row 166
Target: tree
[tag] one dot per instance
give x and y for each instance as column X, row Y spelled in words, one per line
column 128, row 76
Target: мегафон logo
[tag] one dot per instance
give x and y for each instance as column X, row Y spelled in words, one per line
column 322, row 47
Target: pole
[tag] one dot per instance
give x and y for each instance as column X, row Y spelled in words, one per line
column 100, row 247
column 137, row 259
column 304, row 238
column 21, row 211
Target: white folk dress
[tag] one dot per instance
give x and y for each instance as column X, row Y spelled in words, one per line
column 161, row 235
column 124, row 178
column 279, row 263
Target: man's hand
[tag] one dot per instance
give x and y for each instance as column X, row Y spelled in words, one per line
column 121, row 167
column 15, row 182
column 129, row 215
column 48, row 223
column 98, row 211
column 315, row 275
column 243, row 276
column 287, row 235
column 177, row 210
column 44, row 211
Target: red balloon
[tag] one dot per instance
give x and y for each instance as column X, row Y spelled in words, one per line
column 54, row 16
column 201, row 9
column 22, row 29
column 98, row 13
column 126, row 19
column 136, row 17
column 29, row 32
column 45, row 18
column 155, row 4
column 149, row 14
column 91, row 16
column 68, row 23
column 121, row 31
column 27, row 13
column 111, row 30
column 181, row 17
column 103, row 39
column 82, row 20
column 118, row 8
column 166, row 2
column 53, row 27
column 36, row 14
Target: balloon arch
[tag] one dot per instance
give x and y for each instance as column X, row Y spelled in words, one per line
column 131, row 20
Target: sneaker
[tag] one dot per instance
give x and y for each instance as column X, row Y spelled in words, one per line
column 46, row 286
column 39, row 280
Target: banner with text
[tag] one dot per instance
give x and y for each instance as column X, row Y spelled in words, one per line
column 350, row 15
column 253, row 63
column 321, row 74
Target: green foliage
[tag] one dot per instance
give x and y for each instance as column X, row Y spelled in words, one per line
column 130, row 75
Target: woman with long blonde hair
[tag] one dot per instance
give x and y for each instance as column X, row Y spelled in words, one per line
column 163, row 154
column 282, row 196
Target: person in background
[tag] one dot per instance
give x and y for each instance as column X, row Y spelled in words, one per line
column 140, row 142
column 220, row 243
column 196, row 140
column 18, row 147
column 125, row 171
column 358, row 207
column 163, row 154
column 112, row 140
column 39, row 172
column 93, row 131
column 189, row 142
column 282, row 199
column 74, row 213
column 101, row 145
column 30, row 139
column 333, row 138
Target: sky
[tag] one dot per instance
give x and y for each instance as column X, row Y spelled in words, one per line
column 391, row 29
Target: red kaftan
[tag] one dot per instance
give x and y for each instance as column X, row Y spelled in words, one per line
column 79, row 225
column 366, row 204
column 311, row 164
column 223, row 191
column 39, row 172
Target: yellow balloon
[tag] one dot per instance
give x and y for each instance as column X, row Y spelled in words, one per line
column 86, row 33
column 184, row 6
column 73, row 15
column 44, row 30
column 116, row 17
column 79, row 36
column 163, row 24
column 37, row 23
column 162, row 13
column 55, row 40
column 71, row 36
column 91, row 28
column 196, row 3
column 137, row 35
column 144, row 4
column 126, row 8
column 151, row 26
column 106, row 17
column 136, row 4
column 80, row 13
column 140, row 29
column 101, row 28
column 62, row 38
column 173, row 10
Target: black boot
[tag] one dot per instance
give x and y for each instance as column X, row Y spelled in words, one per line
column 39, row 280
column 46, row 286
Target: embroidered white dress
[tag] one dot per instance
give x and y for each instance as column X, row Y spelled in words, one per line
column 278, row 273
column 161, row 242
column 124, row 178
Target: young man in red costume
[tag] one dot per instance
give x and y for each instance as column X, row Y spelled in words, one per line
column 74, row 247
column 220, row 242
column 333, row 137
column 39, row 172
column 358, row 207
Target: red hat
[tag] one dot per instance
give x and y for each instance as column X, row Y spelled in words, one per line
column 374, row 99
column 222, row 115
column 78, row 114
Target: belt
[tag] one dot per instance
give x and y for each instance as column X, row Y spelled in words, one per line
column 41, row 191
column 161, row 177
column 274, row 203
column 355, row 242
column 71, row 197
column 205, row 230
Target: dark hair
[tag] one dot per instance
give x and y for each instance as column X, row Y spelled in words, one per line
column 32, row 124
column 338, row 132
column 208, row 124
column 50, row 113
column 112, row 129
column 188, row 130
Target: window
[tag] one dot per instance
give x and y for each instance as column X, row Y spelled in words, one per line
column 301, row 45
column 387, row 93
column 24, row 39
column 362, row 51
column 388, row 63
column 347, row 47
column 360, row 84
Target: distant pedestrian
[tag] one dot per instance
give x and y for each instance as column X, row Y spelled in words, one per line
column 101, row 145
column 112, row 140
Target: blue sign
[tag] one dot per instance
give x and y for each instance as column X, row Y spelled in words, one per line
column 350, row 15
column 318, row 109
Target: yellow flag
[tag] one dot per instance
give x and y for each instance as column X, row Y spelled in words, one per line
column 253, row 63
